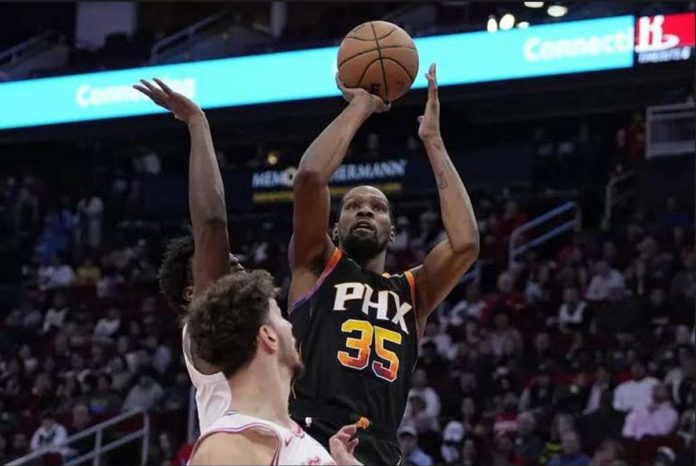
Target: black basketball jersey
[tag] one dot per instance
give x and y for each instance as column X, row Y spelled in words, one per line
column 357, row 336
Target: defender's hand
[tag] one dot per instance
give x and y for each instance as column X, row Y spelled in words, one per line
column 374, row 102
column 182, row 107
column 429, row 122
column 342, row 445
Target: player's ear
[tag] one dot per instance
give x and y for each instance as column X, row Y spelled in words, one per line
column 269, row 337
column 187, row 294
column 392, row 234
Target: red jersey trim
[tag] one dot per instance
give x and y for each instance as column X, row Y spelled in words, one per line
column 239, row 430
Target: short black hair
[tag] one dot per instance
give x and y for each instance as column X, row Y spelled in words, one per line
column 175, row 273
column 224, row 321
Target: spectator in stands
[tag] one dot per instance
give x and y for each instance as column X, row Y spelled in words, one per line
column 609, row 453
column 560, row 424
column 656, row 419
column 538, row 397
column 144, row 394
column 636, row 392
column 107, row 285
column 91, row 215
column 104, row 400
column 605, row 279
column 55, row 316
column 656, row 310
column 109, row 325
column 572, row 454
column 505, row 420
column 503, row 333
column 451, row 447
column 471, row 306
column 470, row 452
column 88, row 273
column 573, row 313
column 57, row 275
column 420, row 387
column 684, row 281
column 602, row 423
column 412, row 454
column 682, row 379
column 674, row 216
column 602, row 383
column 502, row 449
column 664, row 456
column 507, row 299
column 528, row 444
column 120, row 376
column 50, row 435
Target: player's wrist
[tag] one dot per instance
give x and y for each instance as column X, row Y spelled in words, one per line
column 197, row 118
column 431, row 138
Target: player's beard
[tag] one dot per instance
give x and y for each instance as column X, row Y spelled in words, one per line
column 362, row 249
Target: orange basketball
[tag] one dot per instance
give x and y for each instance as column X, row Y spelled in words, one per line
column 380, row 57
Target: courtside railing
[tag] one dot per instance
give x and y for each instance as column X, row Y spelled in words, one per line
column 521, row 241
column 99, row 447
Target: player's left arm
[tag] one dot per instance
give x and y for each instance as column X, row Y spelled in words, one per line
column 448, row 260
column 206, row 190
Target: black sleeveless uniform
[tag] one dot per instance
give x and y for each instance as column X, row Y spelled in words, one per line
column 357, row 336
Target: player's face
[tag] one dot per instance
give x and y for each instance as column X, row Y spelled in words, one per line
column 364, row 224
column 287, row 351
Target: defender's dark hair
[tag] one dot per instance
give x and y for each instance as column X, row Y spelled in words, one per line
column 175, row 273
column 225, row 320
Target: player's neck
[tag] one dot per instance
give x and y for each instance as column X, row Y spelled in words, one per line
column 262, row 391
column 374, row 264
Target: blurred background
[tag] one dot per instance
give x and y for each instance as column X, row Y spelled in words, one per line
column 570, row 341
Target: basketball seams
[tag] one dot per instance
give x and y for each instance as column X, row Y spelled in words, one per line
column 375, row 50
column 412, row 78
column 370, row 40
column 381, row 63
column 367, row 67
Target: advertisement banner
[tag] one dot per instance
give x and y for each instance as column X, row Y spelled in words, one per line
column 664, row 38
column 544, row 50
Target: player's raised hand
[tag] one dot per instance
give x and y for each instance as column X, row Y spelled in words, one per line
column 182, row 107
column 376, row 104
column 342, row 445
column 429, row 122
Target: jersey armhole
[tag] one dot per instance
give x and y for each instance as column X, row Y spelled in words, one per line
column 260, row 428
column 412, row 287
column 328, row 268
column 197, row 377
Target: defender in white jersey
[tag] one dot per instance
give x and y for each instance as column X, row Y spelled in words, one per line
column 187, row 270
column 236, row 325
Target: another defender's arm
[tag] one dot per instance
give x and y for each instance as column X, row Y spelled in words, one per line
column 310, row 242
column 235, row 449
column 211, row 257
column 206, row 190
column 447, row 261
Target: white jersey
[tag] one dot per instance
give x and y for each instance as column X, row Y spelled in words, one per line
column 212, row 391
column 292, row 446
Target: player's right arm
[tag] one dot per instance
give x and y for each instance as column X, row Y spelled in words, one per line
column 246, row 447
column 310, row 245
column 206, row 190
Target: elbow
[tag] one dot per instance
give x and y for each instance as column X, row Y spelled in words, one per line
column 307, row 179
column 468, row 247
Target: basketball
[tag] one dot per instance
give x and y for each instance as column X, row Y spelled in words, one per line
column 379, row 57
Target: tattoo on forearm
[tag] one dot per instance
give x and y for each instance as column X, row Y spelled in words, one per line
column 441, row 180
column 441, row 175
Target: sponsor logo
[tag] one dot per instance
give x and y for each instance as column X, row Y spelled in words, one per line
column 352, row 172
column 664, row 38
column 536, row 49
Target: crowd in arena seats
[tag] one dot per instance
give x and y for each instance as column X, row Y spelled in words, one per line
column 577, row 354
